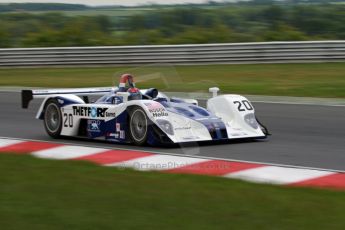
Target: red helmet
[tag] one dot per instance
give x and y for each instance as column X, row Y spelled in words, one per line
column 133, row 90
column 126, row 78
column 134, row 93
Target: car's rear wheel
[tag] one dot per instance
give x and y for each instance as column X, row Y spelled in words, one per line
column 52, row 118
column 138, row 126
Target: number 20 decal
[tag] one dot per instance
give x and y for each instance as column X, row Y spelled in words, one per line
column 68, row 120
column 243, row 105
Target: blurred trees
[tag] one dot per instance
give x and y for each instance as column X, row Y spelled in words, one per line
column 179, row 25
column 40, row 7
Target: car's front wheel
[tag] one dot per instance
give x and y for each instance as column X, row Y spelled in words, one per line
column 138, row 126
column 52, row 118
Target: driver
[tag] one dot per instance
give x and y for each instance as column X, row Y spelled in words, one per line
column 134, row 93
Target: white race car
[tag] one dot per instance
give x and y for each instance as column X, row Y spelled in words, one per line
column 127, row 114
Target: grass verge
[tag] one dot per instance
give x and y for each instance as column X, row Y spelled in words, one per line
column 312, row 80
column 46, row 194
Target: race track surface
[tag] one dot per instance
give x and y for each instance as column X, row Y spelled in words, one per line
column 303, row 135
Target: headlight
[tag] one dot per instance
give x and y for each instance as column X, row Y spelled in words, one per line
column 166, row 126
column 251, row 120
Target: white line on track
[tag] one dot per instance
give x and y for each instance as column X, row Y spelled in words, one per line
column 175, row 154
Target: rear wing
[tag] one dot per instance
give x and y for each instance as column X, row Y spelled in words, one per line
column 29, row 95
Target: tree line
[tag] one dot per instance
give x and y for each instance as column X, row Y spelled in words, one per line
column 178, row 25
column 13, row 7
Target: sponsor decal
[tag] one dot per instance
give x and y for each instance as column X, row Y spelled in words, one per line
column 117, row 100
column 115, row 135
column 186, row 126
column 122, row 134
column 160, row 112
column 156, row 109
column 42, row 91
column 61, row 101
column 118, row 126
column 183, row 128
column 89, row 111
column 93, row 126
column 191, row 138
column 93, row 112
column 108, row 114
column 238, row 134
column 151, row 105
column 235, row 134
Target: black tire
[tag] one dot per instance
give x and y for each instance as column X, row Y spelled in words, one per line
column 52, row 118
column 138, row 126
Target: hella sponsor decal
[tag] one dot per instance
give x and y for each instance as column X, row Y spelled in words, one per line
column 89, row 111
column 94, row 126
column 156, row 109
column 160, row 112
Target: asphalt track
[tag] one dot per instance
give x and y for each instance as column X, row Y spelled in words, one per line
column 303, row 135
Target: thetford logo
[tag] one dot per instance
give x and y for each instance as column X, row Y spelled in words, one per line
column 89, row 111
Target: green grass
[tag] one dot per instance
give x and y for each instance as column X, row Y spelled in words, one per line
column 47, row 194
column 313, row 80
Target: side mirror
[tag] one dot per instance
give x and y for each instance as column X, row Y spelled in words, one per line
column 152, row 92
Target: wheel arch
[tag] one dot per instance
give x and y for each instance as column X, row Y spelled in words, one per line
column 63, row 100
column 156, row 135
